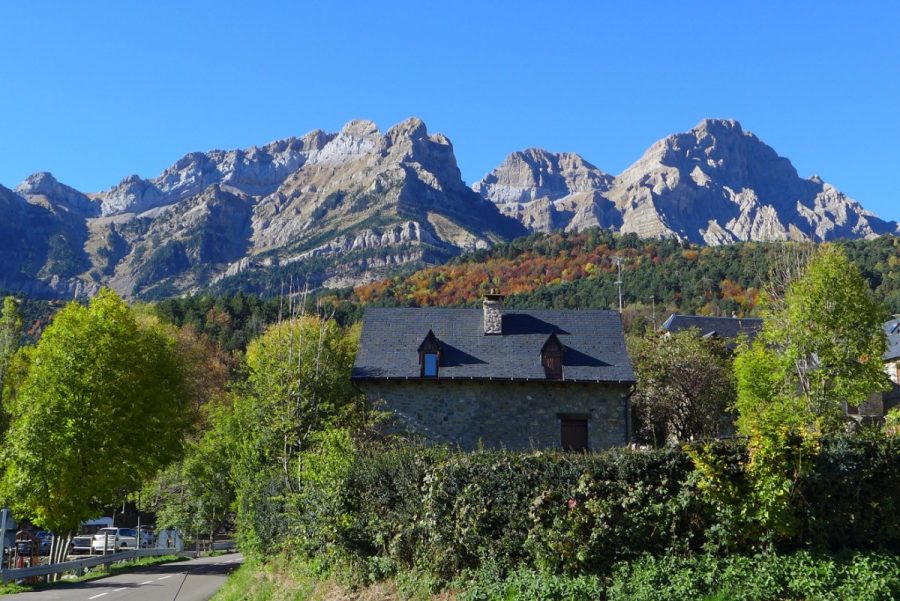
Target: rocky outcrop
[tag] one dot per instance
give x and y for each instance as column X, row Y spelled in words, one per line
column 344, row 207
column 44, row 185
column 715, row 184
column 546, row 191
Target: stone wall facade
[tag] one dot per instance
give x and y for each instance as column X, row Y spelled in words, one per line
column 511, row 415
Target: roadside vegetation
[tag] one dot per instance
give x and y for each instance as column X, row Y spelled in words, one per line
column 258, row 428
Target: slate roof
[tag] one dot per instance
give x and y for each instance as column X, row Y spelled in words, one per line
column 727, row 328
column 892, row 331
column 595, row 345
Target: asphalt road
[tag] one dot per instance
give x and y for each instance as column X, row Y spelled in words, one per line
column 193, row 580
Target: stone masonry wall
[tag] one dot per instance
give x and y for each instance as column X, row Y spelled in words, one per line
column 513, row 415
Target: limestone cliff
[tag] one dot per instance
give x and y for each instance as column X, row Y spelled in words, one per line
column 715, row 184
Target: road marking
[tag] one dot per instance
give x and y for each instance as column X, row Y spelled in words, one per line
column 164, row 577
column 120, row 589
column 148, row 582
column 100, row 595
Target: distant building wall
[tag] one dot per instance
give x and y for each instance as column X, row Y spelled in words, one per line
column 513, row 415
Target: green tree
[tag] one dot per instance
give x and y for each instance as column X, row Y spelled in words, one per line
column 820, row 349
column 100, row 407
column 10, row 334
column 196, row 494
column 685, row 386
column 298, row 384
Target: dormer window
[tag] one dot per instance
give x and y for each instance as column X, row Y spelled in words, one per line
column 430, row 356
column 552, row 358
column 430, row 365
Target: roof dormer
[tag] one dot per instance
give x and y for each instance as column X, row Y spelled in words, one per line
column 552, row 357
column 430, row 356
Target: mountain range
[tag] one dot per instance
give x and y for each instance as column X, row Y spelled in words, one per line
column 339, row 209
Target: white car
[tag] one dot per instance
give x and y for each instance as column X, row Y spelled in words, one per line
column 114, row 539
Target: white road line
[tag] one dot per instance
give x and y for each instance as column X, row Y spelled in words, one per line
column 148, row 582
column 120, row 589
column 100, row 595
column 164, row 577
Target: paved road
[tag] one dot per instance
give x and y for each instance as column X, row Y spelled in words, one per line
column 194, row 580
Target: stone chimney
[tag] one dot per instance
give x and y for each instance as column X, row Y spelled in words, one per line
column 493, row 313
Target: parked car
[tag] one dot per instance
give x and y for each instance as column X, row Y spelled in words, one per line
column 115, row 539
column 81, row 544
column 46, row 541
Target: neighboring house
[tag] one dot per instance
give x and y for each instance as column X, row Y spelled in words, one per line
column 891, row 359
column 729, row 328
column 726, row 328
column 502, row 379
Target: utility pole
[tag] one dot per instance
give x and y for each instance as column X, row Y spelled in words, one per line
column 619, row 281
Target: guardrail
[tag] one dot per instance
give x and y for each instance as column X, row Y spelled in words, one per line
column 224, row 545
column 79, row 565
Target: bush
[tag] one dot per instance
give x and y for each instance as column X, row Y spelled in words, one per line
column 851, row 498
column 801, row 576
column 438, row 512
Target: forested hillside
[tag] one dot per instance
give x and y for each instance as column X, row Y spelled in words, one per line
column 559, row 270
column 569, row 270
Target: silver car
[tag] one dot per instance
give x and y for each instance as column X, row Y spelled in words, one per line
column 114, row 539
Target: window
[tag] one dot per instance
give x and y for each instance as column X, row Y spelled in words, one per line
column 574, row 433
column 430, row 365
column 553, row 368
column 430, row 356
column 552, row 358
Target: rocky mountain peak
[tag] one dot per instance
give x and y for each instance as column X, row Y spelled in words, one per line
column 719, row 127
column 412, row 128
column 45, row 185
column 315, row 140
column 714, row 184
column 41, row 182
column 356, row 205
column 533, row 174
column 360, row 128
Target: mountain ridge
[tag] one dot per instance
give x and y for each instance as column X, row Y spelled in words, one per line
column 715, row 184
column 357, row 205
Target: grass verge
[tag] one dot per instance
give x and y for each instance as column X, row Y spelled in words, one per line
column 799, row 576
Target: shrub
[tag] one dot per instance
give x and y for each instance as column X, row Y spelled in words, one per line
column 801, row 576
column 436, row 512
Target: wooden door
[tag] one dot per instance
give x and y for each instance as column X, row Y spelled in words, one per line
column 574, row 434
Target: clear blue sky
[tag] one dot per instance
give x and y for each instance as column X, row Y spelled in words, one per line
column 94, row 91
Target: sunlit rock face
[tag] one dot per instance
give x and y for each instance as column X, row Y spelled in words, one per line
column 716, row 184
column 322, row 209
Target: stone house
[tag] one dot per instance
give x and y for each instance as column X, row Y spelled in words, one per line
column 502, row 379
column 891, row 358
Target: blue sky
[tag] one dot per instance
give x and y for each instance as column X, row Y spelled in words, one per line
column 95, row 91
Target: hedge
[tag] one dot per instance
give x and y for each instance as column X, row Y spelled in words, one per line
column 444, row 512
